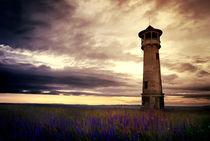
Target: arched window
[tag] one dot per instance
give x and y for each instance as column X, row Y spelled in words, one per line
column 148, row 35
column 154, row 35
column 142, row 37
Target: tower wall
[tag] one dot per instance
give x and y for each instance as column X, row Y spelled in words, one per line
column 151, row 70
column 152, row 96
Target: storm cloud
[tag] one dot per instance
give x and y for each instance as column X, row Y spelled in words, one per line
column 26, row 77
column 20, row 18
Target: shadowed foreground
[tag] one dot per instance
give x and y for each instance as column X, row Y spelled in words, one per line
column 106, row 123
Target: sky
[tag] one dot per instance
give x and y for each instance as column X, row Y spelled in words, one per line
column 89, row 52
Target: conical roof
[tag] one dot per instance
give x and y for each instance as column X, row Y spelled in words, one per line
column 150, row 28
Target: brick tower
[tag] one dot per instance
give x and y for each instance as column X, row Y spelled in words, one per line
column 152, row 95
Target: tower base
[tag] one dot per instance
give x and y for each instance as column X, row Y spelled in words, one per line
column 153, row 101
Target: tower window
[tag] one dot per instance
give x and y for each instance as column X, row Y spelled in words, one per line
column 148, row 35
column 142, row 37
column 145, row 84
column 154, row 35
column 157, row 56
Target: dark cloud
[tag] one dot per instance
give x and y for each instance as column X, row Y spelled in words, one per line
column 170, row 77
column 100, row 94
column 199, row 96
column 180, row 67
column 199, row 87
column 19, row 77
column 121, row 2
column 192, row 87
column 1, row 53
column 196, row 96
column 195, row 9
column 21, row 17
column 203, row 73
column 187, row 67
column 200, row 60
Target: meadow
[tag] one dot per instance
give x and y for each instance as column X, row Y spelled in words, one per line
column 19, row 122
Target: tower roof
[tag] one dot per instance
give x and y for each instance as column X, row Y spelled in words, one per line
column 150, row 28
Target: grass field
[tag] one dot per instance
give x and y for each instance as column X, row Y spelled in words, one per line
column 86, row 123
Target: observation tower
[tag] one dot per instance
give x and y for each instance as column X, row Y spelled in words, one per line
column 152, row 95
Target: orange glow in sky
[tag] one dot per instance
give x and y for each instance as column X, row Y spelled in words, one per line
column 94, row 100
